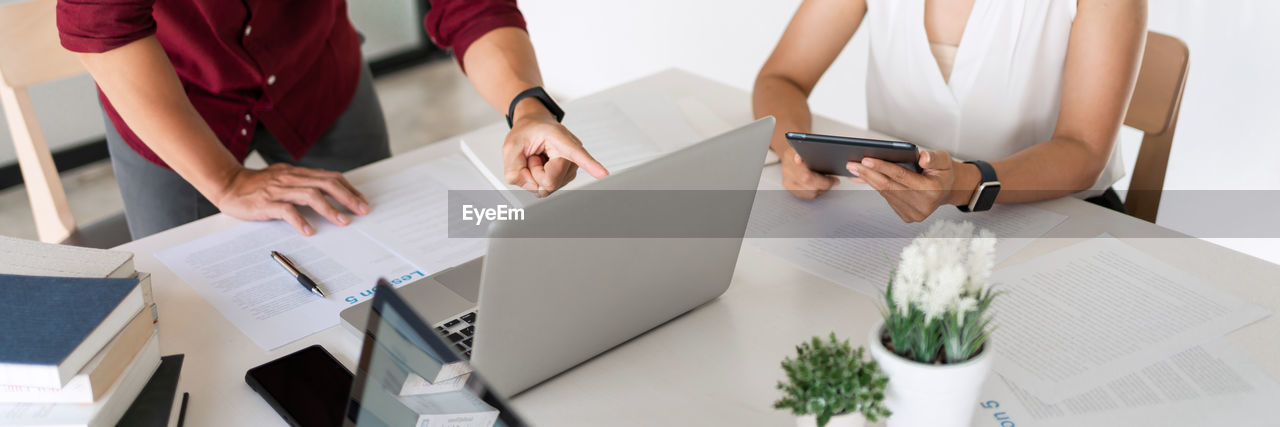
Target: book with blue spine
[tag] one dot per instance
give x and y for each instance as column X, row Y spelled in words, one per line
column 53, row 326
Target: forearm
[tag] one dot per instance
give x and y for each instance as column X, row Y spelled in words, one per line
column 500, row 65
column 817, row 34
column 1103, row 58
column 144, row 89
column 788, row 104
column 1051, row 169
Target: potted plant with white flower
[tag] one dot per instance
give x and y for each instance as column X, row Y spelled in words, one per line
column 831, row 384
column 933, row 341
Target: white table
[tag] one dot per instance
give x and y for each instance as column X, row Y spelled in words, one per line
column 716, row 365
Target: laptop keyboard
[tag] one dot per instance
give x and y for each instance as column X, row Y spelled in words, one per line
column 459, row 330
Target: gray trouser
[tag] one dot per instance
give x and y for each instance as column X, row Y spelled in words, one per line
column 157, row 198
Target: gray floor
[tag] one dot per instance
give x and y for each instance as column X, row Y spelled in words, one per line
column 422, row 105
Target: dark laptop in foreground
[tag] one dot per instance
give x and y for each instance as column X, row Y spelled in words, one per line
column 589, row 269
column 407, row 376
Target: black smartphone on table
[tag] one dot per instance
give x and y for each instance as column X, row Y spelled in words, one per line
column 828, row 154
column 307, row 388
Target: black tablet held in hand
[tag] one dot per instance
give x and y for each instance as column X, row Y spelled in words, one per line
column 830, row 154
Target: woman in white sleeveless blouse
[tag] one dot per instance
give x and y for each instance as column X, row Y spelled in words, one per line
column 1037, row 88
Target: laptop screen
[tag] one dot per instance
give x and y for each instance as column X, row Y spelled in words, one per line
column 409, row 376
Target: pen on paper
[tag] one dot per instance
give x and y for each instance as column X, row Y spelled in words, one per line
column 302, row 278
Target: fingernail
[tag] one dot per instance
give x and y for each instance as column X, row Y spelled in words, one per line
column 924, row 156
column 853, row 168
column 306, row 229
column 531, row 187
column 364, row 208
column 342, row 219
column 866, row 161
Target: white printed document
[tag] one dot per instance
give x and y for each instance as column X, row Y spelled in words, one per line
column 403, row 240
column 412, row 218
column 1210, row 384
column 234, row 272
column 1086, row 315
column 804, row 232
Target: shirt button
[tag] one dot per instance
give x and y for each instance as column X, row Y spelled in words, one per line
column 244, row 132
column 248, row 29
column 248, row 118
column 271, row 79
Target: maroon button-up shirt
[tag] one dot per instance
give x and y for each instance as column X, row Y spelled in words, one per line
column 291, row 65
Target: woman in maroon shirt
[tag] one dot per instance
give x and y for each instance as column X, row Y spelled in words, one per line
column 190, row 87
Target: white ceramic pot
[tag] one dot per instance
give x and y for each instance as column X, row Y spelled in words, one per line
column 924, row 395
column 847, row 420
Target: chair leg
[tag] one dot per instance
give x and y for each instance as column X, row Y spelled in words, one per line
column 44, row 188
column 1147, row 184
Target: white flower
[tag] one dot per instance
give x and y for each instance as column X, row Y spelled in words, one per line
column 982, row 254
column 962, row 306
column 909, row 279
column 943, row 270
column 944, row 287
column 948, row 229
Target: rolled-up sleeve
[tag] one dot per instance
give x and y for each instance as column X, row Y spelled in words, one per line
column 95, row 26
column 455, row 24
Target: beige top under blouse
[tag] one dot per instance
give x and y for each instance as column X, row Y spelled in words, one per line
column 946, row 56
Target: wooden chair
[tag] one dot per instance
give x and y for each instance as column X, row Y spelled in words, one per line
column 1157, row 98
column 30, row 54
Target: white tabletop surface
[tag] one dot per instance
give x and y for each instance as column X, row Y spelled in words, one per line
column 716, row 365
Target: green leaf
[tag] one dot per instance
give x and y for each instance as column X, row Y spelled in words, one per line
column 828, row 378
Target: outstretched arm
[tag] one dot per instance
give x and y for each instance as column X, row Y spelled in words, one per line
column 144, row 88
column 818, row 32
column 489, row 39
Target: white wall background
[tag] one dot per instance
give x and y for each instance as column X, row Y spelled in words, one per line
column 1227, row 137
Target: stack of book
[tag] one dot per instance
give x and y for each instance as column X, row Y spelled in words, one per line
column 78, row 337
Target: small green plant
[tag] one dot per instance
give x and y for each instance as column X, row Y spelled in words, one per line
column 829, row 378
column 937, row 300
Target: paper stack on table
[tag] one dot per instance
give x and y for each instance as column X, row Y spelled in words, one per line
column 1210, row 384
column 1092, row 312
column 1100, row 333
column 405, row 238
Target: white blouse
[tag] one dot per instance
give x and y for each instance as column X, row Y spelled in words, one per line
column 1004, row 87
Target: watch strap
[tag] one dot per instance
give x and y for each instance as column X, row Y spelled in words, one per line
column 988, row 175
column 984, row 168
column 542, row 96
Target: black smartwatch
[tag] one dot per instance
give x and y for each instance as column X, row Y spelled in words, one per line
column 534, row 92
column 985, row 196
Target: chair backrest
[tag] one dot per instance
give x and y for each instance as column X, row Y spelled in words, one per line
column 1157, row 98
column 30, row 53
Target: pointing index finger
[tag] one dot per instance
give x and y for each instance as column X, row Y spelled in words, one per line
column 583, row 159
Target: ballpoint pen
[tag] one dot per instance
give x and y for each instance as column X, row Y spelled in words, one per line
column 306, row 282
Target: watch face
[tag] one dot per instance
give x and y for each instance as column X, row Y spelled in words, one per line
column 987, row 196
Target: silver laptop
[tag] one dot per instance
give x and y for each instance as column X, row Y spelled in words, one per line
column 588, row 269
